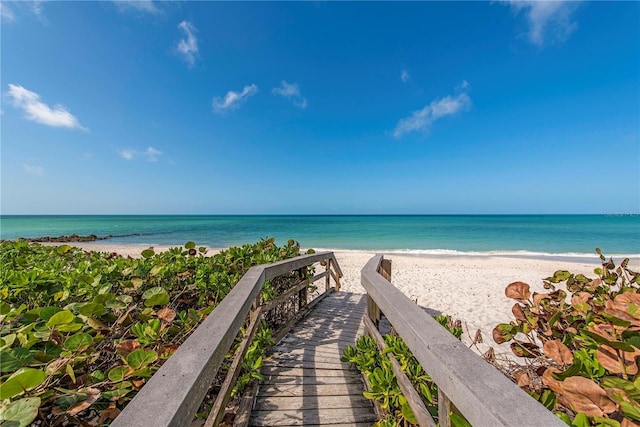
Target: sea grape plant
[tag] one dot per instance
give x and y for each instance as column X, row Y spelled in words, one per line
column 583, row 340
column 82, row 332
column 384, row 388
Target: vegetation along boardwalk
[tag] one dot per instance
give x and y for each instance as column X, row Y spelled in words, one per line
column 305, row 381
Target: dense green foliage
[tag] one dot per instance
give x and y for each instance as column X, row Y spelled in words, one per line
column 583, row 344
column 384, row 388
column 83, row 331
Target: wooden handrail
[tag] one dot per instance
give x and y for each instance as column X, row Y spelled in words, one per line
column 482, row 394
column 174, row 393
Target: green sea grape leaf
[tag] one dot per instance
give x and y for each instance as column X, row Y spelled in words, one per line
column 47, row 312
column 118, row 373
column 21, row 412
column 92, row 309
column 580, row 420
column 63, row 249
column 148, row 253
column 20, row 381
column 631, row 410
column 155, row 296
column 189, row 245
column 70, row 327
column 60, row 318
column 14, row 359
column 78, row 342
column 140, row 358
column 458, row 421
column 4, row 308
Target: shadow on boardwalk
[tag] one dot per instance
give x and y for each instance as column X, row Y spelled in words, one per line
column 305, row 381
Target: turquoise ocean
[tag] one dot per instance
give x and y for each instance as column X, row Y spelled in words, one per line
column 516, row 235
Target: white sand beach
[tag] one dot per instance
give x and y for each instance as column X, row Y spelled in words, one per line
column 468, row 288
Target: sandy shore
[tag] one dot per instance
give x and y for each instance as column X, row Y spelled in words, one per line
column 470, row 289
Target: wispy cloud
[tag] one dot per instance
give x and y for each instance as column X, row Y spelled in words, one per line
column 548, row 20
column 140, row 6
column 37, row 111
column 233, row 100
column 6, row 12
column 33, row 170
column 291, row 91
column 405, row 76
column 421, row 120
column 150, row 154
column 188, row 46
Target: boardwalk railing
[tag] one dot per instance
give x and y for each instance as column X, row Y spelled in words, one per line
column 174, row 393
column 479, row 392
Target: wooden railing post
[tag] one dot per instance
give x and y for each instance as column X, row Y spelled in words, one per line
column 302, row 294
column 327, row 280
column 444, row 409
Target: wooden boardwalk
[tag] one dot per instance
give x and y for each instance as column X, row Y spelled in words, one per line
column 305, row 381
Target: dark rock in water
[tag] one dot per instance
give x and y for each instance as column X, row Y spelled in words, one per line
column 66, row 239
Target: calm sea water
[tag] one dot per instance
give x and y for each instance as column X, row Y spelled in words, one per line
column 569, row 235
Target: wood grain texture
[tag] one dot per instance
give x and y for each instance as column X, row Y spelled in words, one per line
column 305, row 381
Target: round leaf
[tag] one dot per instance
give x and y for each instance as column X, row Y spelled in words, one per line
column 148, row 253
column 60, row 318
column 118, row 373
column 78, row 342
column 189, row 245
column 22, row 380
column 155, row 296
column 518, row 290
column 22, row 411
column 47, row 312
column 141, row 358
column 92, row 309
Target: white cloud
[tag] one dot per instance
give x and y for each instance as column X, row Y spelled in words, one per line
column 291, row 91
column 33, row 170
column 188, row 46
column 127, row 153
column 547, row 19
column 37, row 111
column 150, row 154
column 404, row 76
column 233, row 100
column 422, row 119
column 6, row 12
column 143, row 6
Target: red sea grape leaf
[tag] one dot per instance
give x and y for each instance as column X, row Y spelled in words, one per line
column 549, row 381
column 626, row 422
column 537, row 298
column 94, row 394
column 518, row 290
column 518, row 312
column 503, row 332
column 525, row 349
column 559, row 352
column 584, row 395
column 523, row 379
column 108, row 414
column 166, row 314
column 126, row 347
column 605, row 331
column 612, row 361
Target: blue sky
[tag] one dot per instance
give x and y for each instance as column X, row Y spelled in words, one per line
column 320, row 107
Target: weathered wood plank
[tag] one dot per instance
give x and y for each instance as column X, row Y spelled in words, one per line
column 306, row 364
column 299, row 418
column 305, row 389
column 305, row 402
column 282, row 380
column 307, row 372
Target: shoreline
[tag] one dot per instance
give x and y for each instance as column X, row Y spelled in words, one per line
column 467, row 288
